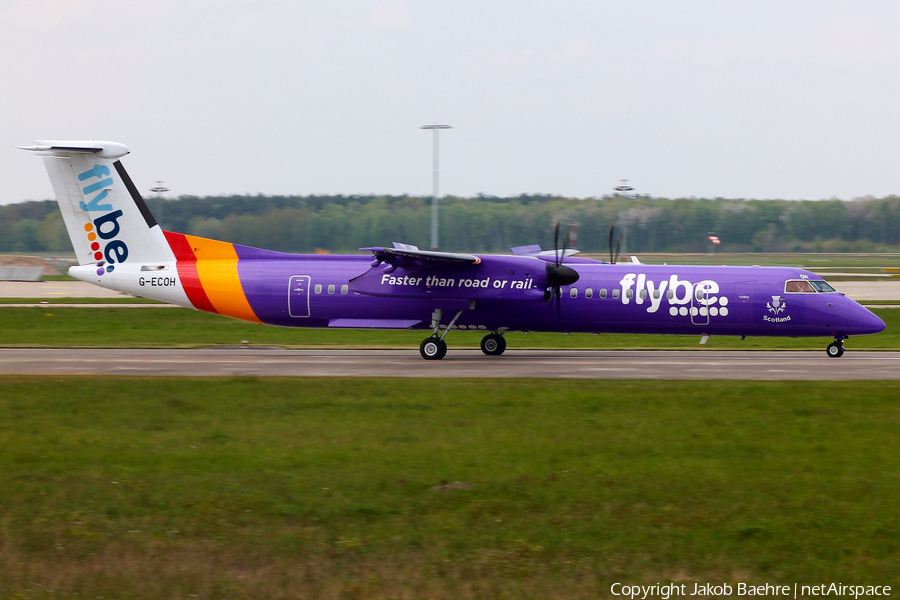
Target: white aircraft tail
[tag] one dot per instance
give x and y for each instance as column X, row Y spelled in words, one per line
column 106, row 217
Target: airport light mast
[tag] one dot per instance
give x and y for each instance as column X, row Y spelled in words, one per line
column 435, row 158
column 159, row 189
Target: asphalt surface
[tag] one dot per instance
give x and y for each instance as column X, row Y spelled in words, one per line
column 581, row 364
column 56, row 289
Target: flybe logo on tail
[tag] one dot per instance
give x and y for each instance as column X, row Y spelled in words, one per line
column 105, row 228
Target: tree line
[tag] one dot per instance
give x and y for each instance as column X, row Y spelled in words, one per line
column 491, row 224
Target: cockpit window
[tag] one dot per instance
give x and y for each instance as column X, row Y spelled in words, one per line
column 821, row 286
column 805, row 286
column 799, row 286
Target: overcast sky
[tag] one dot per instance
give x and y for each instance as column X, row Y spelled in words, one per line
column 764, row 99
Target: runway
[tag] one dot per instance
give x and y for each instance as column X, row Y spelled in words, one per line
column 56, row 289
column 578, row 364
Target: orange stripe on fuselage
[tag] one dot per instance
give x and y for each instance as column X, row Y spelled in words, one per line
column 218, row 272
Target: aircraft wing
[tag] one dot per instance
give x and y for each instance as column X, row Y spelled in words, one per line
column 410, row 255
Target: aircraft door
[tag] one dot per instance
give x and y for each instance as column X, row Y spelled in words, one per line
column 298, row 296
column 699, row 305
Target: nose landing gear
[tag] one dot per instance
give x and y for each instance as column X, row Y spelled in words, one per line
column 836, row 348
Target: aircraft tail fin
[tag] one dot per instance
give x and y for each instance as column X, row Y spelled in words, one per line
column 106, row 217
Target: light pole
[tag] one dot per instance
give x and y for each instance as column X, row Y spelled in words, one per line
column 434, row 194
column 159, row 189
column 625, row 187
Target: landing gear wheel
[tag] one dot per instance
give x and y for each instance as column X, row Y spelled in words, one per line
column 433, row 348
column 493, row 344
column 835, row 350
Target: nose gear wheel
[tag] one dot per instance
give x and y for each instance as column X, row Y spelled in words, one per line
column 835, row 349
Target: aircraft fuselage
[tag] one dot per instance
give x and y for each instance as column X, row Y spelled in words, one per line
column 502, row 293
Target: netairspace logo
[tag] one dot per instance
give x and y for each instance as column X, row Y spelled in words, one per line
column 669, row 590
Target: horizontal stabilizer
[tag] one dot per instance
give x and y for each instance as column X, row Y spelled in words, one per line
column 102, row 149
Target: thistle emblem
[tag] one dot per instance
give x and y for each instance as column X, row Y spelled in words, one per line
column 776, row 306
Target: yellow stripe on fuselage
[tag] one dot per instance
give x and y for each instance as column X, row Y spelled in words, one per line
column 218, row 273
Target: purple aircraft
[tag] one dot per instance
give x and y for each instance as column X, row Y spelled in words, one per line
column 120, row 246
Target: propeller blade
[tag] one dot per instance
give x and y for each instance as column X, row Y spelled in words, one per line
column 611, row 232
column 559, row 274
column 618, row 247
column 556, row 242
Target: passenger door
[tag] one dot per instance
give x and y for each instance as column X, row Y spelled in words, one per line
column 298, row 296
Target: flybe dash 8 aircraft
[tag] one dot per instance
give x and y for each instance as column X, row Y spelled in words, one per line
column 120, row 246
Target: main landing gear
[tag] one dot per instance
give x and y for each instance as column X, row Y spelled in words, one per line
column 836, row 348
column 435, row 348
column 493, row 344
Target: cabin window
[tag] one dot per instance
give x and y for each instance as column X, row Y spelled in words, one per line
column 345, row 288
column 798, row 286
column 330, row 288
column 588, row 293
column 670, row 294
column 656, row 294
column 616, row 294
column 700, row 293
column 603, row 292
column 821, row 286
column 643, row 294
column 318, row 288
column 629, row 294
column 573, row 293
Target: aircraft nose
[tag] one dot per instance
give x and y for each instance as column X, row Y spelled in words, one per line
column 863, row 321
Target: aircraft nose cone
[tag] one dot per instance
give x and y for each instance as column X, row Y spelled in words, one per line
column 863, row 321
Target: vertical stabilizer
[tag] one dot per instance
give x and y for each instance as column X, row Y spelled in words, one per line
column 106, row 217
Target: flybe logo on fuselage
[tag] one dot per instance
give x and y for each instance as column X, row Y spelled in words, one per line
column 105, row 228
column 683, row 297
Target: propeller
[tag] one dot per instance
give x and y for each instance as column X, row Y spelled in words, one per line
column 614, row 258
column 559, row 274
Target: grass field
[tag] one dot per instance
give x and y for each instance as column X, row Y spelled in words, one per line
column 321, row 488
column 174, row 327
column 123, row 300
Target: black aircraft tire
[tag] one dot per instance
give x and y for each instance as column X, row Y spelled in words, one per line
column 433, row 348
column 493, row 344
column 834, row 350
